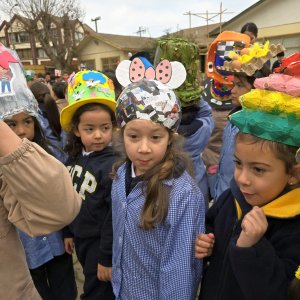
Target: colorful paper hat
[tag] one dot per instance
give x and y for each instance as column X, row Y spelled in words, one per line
column 269, row 115
column 15, row 96
column 217, row 95
column 290, row 65
column 188, row 54
column 249, row 59
column 219, row 51
column 87, row 87
column 148, row 94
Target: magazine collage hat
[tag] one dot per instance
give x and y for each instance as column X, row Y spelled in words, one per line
column 148, row 92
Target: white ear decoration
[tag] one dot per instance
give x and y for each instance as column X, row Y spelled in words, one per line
column 173, row 74
column 178, row 75
column 122, row 72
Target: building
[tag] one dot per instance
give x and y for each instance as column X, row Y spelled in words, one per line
column 14, row 35
column 277, row 21
column 102, row 51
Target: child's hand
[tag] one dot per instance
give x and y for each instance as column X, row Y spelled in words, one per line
column 104, row 273
column 254, row 226
column 69, row 245
column 204, row 245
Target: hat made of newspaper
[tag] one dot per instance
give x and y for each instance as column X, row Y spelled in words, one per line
column 15, row 96
column 148, row 92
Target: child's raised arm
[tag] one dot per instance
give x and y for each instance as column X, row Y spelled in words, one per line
column 36, row 188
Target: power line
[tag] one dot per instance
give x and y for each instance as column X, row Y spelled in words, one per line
column 140, row 31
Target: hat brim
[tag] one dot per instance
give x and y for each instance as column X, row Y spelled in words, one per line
column 68, row 112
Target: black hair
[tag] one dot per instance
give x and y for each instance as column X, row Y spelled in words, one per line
column 251, row 27
column 59, row 89
column 111, row 74
column 280, row 54
column 74, row 144
column 39, row 137
column 41, row 93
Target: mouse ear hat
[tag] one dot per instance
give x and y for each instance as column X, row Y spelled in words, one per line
column 148, row 92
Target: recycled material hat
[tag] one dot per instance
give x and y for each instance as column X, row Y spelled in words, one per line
column 148, row 93
column 87, row 87
column 218, row 53
column 149, row 100
column 269, row 115
column 187, row 53
column 15, row 96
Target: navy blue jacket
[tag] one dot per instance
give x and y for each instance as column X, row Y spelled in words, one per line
column 90, row 176
column 262, row 271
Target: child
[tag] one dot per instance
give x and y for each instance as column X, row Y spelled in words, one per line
column 58, row 91
column 89, row 120
column 251, row 30
column 28, row 199
column 242, row 83
column 253, row 231
column 49, row 118
column 294, row 288
column 50, row 267
column 197, row 123
column 157, row 207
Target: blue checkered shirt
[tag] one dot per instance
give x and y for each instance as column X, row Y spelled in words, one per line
column 158, row 263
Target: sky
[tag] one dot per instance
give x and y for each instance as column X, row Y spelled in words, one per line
column 157, row 17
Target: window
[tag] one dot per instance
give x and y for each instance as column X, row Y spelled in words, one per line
column 78, row 36
column 24, row 53
column 110, row 62
column 24, row 37
column 19, row 37
column 89, row 64
column 3, row 40
column 42, row 53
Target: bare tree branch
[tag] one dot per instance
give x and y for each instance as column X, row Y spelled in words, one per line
column 51, row 23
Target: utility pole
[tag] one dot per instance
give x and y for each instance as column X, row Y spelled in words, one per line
column 210, row 16
column 190, row 18
column 140, row 31
column 96, row 20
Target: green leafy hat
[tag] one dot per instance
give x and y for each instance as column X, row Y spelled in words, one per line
column 178, row 49
column 87, row 87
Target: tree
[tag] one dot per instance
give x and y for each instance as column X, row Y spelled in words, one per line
column 50, row 23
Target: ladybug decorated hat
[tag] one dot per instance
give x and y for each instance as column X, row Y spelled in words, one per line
column 148, row 92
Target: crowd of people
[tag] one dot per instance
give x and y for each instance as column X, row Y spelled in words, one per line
column 110, row 165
